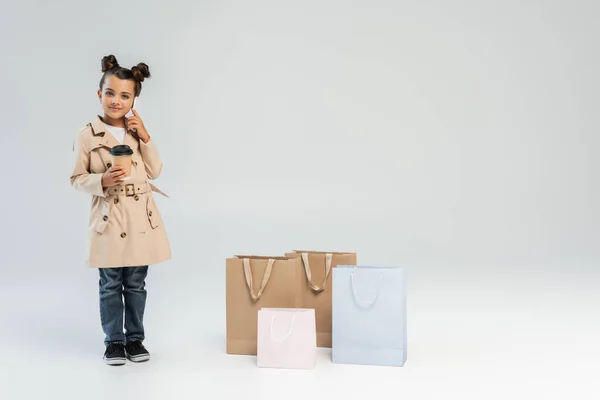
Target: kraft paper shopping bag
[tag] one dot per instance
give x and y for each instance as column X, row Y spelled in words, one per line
column 369, row 316
column 254, row 282
column 286, row 338
column 316, row 286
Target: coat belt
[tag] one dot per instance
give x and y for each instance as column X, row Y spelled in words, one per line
column 129, row 189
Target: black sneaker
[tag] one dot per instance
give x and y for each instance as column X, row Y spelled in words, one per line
column 115, row 354
column 136, row 351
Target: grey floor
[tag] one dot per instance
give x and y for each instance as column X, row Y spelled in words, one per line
column 473, row 332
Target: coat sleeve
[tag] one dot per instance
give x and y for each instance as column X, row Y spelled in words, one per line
column 152, row 161
column 81, row 178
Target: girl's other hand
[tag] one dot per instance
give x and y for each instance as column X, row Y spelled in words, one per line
column 113, row 176
column 136, row 125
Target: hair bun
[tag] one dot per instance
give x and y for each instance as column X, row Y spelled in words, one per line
column 109, row 62
column 140, row 72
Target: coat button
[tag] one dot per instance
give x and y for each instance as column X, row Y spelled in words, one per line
column 136, row 197
column 109, row 165
column 123, row 234
column 150, row 213
column 116, row 200
column 105, row 218
column 135, row 163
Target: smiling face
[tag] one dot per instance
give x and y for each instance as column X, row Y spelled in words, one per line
column 116, row 97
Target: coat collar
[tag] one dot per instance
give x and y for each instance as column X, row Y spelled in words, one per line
column 102, row 137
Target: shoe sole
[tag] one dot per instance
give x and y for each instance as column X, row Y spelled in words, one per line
column 115, row 361
column 140, row 358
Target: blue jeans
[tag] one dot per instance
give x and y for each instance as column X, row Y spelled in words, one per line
column 116, row 284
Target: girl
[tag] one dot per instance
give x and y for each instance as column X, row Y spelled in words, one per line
column 125, row 230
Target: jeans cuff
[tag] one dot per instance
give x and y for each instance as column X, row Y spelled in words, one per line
column 114, row 342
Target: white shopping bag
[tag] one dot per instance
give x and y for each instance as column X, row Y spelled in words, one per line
column 369, row 316
column 287, row 338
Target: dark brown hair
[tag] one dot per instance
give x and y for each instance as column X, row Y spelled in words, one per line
column 137, row 73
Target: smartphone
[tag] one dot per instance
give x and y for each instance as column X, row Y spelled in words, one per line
column 130, row 113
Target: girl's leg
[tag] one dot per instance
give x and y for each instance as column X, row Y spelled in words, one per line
column 134, row 292
column 111, row 304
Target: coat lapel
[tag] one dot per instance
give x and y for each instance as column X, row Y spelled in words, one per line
column 131, row 141
column 101, row 136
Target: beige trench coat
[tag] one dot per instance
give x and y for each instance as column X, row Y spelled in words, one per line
column 125, row 227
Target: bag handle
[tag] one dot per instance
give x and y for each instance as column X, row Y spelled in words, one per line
column 365, row 304
column 314, row 286
column 265, row 280
column 287, row 335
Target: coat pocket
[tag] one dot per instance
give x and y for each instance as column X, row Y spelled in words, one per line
column 152, row 213
column 102, row 217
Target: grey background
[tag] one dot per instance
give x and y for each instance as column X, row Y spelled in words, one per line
column 456, row 139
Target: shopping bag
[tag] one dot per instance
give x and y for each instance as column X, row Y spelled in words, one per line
column 369, row 316
column 254, row 282
column 286, row 338
column 316, row 286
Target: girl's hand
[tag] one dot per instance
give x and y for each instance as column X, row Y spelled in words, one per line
column 135, row 123
column 113, row 176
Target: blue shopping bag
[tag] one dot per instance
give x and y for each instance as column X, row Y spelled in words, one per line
column 369, row 316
